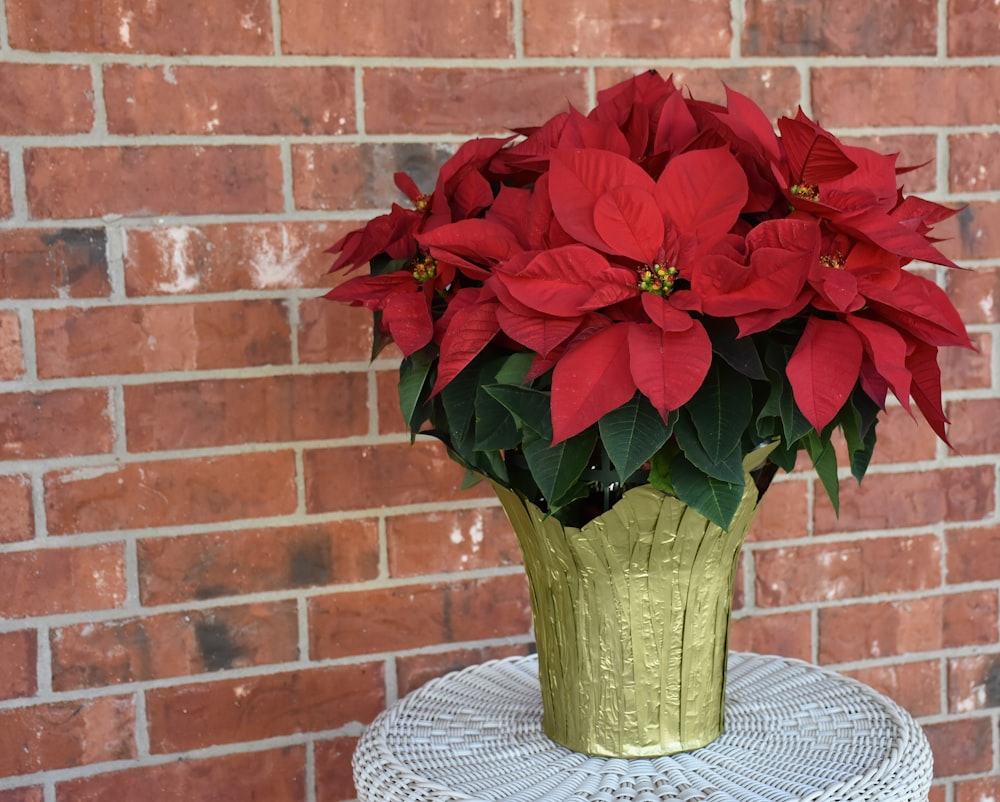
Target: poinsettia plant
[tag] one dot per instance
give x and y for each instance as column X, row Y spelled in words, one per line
column 652, row 292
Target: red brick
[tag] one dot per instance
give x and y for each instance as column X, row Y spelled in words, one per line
column 937, row 794
column 972, row 429
column 891, row 501
column 225, row 257
column 6, row 203
column 51, row 581
column 630, row 28
column 783, row 513
column 846, row 570
column 840, row 28
column 18, row 659
column 903, row 96
column 213, row 100
column 76, row 341
column 777, row 90
column 981, row 789
column 390, row 419
column 975, row 294
column 438, row 101
column 33, row 793
column 54, row 263
column 962, row 369
column 973, row 683
column 58, row 423
column 973, row 28
column 435, row 28
column 45, row 99
column 62, row 735
column 149, row 181
column 275, row 775
column 362, row 477
column 971, row 164
column 973, row 554
column 211, row 565
column 417, row 669
column 881, row 629
column 11, row 349
column 902, row 438
column 175, row 415
column 915, row 686
column 961, row 747
column 334, row 781
column 972, row 233
column 359, row 176
column 95, row 655
column 407, row 617
column 255, row 708
column 170, row 492
column 135, row 26
column 17, row 520
column 450, row 540
column 332, row 332
column 787, row 634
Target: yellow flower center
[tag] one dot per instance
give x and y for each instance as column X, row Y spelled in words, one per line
column 657, row 279
column 424, row 268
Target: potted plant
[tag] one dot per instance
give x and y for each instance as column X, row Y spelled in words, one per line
column 628, row 321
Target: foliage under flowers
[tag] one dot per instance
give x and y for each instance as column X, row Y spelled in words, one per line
column 661, row 287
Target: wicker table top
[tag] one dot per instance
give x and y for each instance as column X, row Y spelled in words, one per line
column 794, row 732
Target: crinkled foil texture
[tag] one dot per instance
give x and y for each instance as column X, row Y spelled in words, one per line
column 631, row 617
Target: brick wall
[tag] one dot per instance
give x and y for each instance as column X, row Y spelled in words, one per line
column 219, row 556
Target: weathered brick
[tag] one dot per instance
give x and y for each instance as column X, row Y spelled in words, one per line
column 170, row 492
column 840, row 28
column 6, row 202
column 334, row 781
column 631, row 28
column 17, row 520
column 79, row 341
column 890, row 501
column 57, row 423
column 155, row 180
column 846, row 570
column 45, row 99
column 362, row 477
column 961, row 747
column 777, row 90
column 276, row 775
column 979, row 789
column 973, row 682
column 466, row 100
column 18, row 658
column 916, row 686
column 96, row 655
column 407, row 617
column 51, row 581
column 255, row 708
column 414, row 670
column 182, row 260
column 199, row 414
column 62, row 735
column 359, row 176
column 33, row 793
column 972, row 233
column 390, row 418
column 212, row 565
column 135, row 26
column 54, row 263
column 962, row 369
column 973, row 28
column 973, row 554
column 450, row 540
column 902, row 438
column 971, row 431
column 213, row 100
column 969, row 619
column 975, row 294
column 11, row 348
column 787, row 634
column 864, row 96
column 332, row 332
column 971, row 166
column 783, row 513
column 434, row 28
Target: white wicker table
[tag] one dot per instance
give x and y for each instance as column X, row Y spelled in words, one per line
column 794, row 732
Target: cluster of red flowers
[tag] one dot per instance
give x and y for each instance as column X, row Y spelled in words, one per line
column 606, row 244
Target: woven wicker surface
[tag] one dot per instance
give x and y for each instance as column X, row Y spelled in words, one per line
column 794, row 732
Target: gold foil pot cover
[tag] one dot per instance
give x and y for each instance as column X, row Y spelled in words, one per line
column 631, row 617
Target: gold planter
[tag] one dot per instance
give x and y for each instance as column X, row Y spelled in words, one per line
column 631, row 617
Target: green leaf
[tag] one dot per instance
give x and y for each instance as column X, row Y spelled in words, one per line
column 632, row 433
column 728, row 469
column 824, row 459
column 496, row 427
column 414, row 387
column 740, row 353
column 557, row 469
column 458, row 398
column 715, row 499
column 381, row 265
column 861, row 458
column 532, row 408
column 721, row 411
